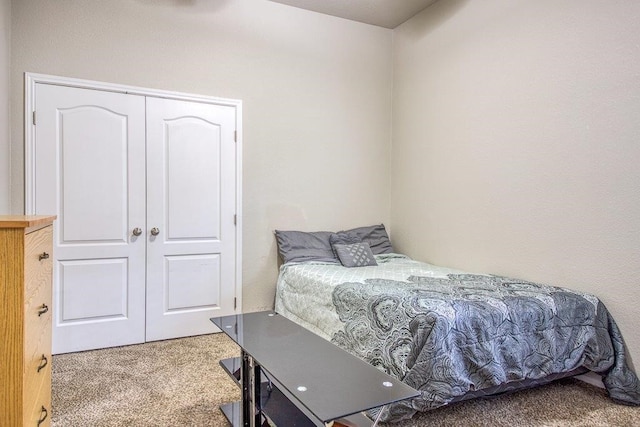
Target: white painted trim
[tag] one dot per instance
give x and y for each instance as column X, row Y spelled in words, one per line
column 239, row 207
column 133, row 90
column 29, row 145
column 31, row 79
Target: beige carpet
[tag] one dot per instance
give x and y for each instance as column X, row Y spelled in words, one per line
column 179, row 383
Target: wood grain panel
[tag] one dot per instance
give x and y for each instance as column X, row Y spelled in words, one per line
column 11, row 314
column 25, row 221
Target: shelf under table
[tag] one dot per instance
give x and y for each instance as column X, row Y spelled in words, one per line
column 305, row 379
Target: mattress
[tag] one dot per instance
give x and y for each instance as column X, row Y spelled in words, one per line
column 452, row 334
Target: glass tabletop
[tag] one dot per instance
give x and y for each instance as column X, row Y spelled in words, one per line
column 327, row 380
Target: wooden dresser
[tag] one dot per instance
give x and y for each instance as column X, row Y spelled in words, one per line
column 26, row 263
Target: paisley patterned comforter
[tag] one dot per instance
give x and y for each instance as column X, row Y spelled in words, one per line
column 448, row 333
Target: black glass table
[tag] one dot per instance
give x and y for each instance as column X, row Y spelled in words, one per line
column 290, row 376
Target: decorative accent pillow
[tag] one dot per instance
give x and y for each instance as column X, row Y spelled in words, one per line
column 301, row 246
column 355, row 254
column 375, row 235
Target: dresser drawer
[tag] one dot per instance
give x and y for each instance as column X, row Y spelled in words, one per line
column 39, row 414
column 37, row 371
column 37, row 321
column 38, row 260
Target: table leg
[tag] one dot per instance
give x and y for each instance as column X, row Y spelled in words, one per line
column 257, row 397
column 247, row 391
column 251, row 399
column 375, row 422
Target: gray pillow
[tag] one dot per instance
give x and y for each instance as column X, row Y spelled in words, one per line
column 355, row 254
column 342, row 239
column 301, row 246
column 376, row 236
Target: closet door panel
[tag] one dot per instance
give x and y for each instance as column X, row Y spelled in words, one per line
column 191, row 203
column 93, row 159
column 192, row 159
column 108, row 279
column 90, row 171
column 192, row 281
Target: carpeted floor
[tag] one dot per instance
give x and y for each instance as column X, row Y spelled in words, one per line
column 179, row 383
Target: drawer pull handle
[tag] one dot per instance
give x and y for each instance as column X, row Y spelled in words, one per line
column 43, row 415
column 42, row 256
column 42, row 309
column 43, row 362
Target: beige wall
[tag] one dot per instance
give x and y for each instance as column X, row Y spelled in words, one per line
column 516, row 144
column 515, row 132
column 316, row 92
column 5, row 55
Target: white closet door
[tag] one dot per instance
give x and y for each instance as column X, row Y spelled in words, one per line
column 90, row 171
column 191, row 200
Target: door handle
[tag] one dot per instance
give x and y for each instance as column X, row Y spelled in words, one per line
column 137, row 231
column 43, row 415
column 42, row 309
column 155, row 231
column 43, row 362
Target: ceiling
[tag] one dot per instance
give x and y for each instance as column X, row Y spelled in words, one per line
column 383, row 13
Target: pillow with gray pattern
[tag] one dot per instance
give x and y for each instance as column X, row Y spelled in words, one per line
column 375, row 235
column 355, row 254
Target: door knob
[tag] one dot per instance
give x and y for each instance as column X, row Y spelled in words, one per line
column 137, row 231
column 155, row 231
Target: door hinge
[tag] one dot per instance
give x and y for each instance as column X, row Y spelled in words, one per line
column 235, row 136
column 235, row 303
column 235, row 219
column 33, row 117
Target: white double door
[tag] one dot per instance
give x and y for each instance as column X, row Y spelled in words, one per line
column 145, row 193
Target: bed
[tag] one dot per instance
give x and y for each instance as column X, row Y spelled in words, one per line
column 452, row 335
